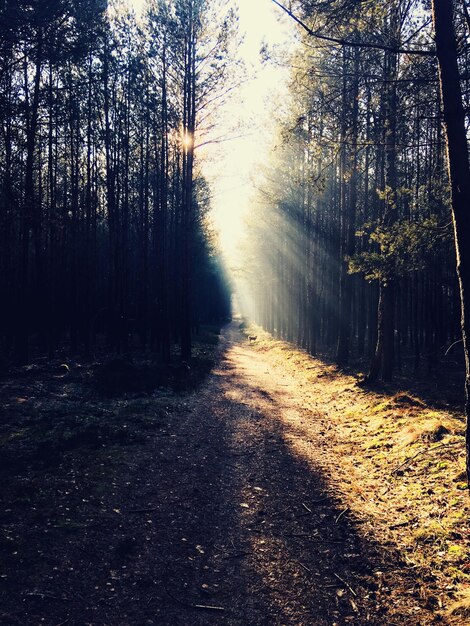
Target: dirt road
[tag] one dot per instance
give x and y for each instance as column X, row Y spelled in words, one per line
column 246, row 523
column 227, row 514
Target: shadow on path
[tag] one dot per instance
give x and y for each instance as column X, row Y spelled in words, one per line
column 225, row 512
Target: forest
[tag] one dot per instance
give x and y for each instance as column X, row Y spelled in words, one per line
column 357, row 240
column 98, row 121
column 274, row 432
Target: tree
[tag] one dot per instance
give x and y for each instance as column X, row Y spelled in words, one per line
column 459, row 170
column 91, row 173
column 367, row 196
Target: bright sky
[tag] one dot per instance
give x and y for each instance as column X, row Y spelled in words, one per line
column 137, row 4
column 231, row 165
column 233, row 170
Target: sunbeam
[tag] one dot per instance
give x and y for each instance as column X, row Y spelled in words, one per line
column 138, row 5
column 234, row 168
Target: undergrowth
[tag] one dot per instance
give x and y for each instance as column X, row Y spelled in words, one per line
column 51, row 409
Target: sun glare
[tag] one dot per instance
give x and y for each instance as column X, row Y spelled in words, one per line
column 187, row 141
column 233, row 167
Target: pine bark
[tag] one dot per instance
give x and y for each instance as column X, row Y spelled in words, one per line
column 459, row 171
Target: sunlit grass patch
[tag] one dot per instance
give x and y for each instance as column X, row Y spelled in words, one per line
column 400, row 402
column 457, row 553
column 431, row 427
column 461, row 606
column 433, row 533
column 394, row 460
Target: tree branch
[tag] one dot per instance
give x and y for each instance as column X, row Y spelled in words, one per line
column 354, row 44
column 466, row 13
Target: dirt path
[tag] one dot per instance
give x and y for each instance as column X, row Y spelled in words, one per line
column 225, row 515
column 244, row 520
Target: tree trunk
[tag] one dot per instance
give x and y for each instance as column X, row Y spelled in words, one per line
column 384, row 357
column 188, row 164
column 29, row 216
column 349, row 218
column 459, row 170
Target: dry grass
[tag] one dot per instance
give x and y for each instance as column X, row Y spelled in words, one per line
column 461, row 607
column 398, row 465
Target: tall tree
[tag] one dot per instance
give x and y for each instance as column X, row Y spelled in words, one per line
column 459, row 170
column 92, row 102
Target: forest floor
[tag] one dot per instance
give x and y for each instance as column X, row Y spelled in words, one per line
column 278, row 493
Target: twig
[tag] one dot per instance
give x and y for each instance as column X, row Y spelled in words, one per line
column 238, row 555
column 400, row 525
column 346, row 584
column 238, row 454
column 281, row 512
column 298, row 536
column 64, row 622
column 39, row 594
column 341, row 514
column 206, row 607
column 295, row 536
column 188, row 605
column 451, row 346
column 412, row 458
column 321, row 500
column 309, row 511
column 307, row 569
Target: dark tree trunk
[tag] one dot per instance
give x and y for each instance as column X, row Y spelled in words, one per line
column 349, row 201
column 29, row 216
column 384, row 357
column 187, row 212
column 459, row 170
